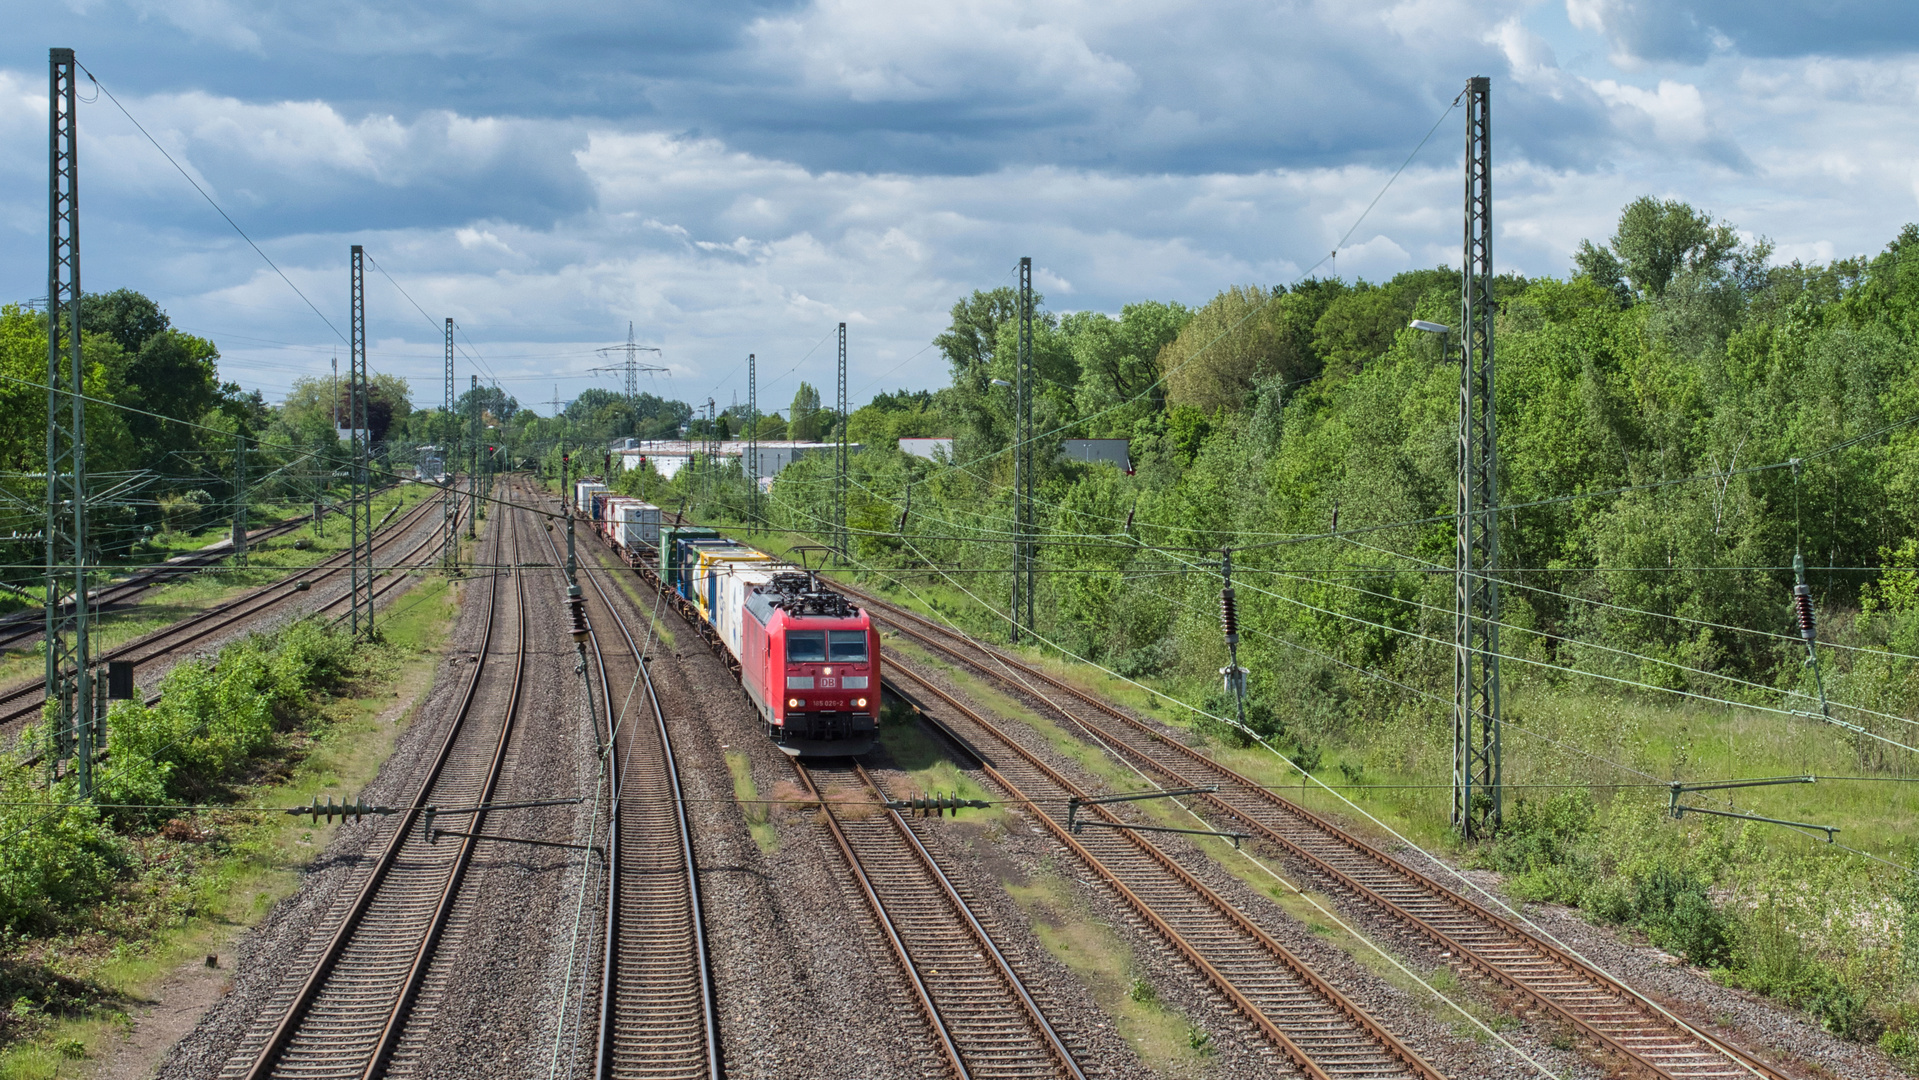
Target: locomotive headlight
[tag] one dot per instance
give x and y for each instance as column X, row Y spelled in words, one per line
column 826, row 671
column 859, row 703
column 794, row 703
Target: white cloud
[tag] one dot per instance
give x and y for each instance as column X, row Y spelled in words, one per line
column 882, row 51
column 216, row 21
column 1134, row 150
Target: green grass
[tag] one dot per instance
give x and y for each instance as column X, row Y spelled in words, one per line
column 1164, row 1039
column 263, row 858
column 930, row 770
column 758, row 813
column 629, row 583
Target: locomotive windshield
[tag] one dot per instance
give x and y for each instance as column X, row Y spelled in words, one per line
column 808, row 646
column 849, row 646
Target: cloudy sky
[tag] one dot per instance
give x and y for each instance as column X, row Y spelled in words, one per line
column 737, row 177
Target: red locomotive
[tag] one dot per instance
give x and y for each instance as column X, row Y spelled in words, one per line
column 811, row 663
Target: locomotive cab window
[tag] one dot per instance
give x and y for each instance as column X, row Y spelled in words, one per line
column 848, row 646
column 808, row 646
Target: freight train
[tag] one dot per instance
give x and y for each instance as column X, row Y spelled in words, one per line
column 808, row 659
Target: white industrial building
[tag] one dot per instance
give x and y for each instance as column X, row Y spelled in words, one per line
column 669, row 456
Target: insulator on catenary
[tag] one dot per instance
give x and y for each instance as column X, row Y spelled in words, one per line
column 1802, row 609
column 578, row 606
column 1228, row 614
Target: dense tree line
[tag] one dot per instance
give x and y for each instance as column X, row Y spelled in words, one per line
column 1638, row 399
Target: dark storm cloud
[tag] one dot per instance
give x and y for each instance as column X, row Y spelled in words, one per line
column 958, row 89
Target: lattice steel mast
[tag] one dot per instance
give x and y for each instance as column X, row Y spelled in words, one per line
column 69, row 686
column 839, row 484
column 752, row 462
column 360, row 505
column 450, row 543
column 1022, row 608
column 1476, row 706
column 473, row 471
column 240, row 499
column 631, row 365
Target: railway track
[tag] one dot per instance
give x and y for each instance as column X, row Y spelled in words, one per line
column 349, row 1000
column 23, row 702
column 1324, row 1034
column 657, row 1016
column 986, row 1022
column 1304, row 1018
column 1546, row 976
column 23, row 628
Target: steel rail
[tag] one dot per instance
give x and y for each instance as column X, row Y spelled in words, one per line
column 1618, row 1018
column 153, row 698
column 165, row 640
column 1335, row 1039
column 661, row 793
column 1338, row 1009
column 287, row 1028
column 436, row 928
column 922, row 996
column 943, row 935
column 1050, row 1045
column 29, row 624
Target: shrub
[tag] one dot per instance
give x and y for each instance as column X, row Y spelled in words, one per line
column 1839, row 1008
column 1538, row 849
column 211, row 721
column 1678, row 914
column 1899, row 1043
column 54, row 860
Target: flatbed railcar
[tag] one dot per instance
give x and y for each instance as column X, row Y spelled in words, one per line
column 807, row 657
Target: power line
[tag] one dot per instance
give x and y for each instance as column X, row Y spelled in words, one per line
column 212, row 203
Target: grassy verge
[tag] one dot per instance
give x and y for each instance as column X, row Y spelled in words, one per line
column 642, row 598
column 929, row 770
column 1165, row 1040
column 758, row 813
column 198, row 590
column 1767, row 908
column 185, row 882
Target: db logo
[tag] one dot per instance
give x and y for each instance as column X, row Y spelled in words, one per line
column 828, row 684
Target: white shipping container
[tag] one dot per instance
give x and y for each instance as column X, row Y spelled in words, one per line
column 640, row 524
column 583, row 493
column 610, row 506
column 735, row 582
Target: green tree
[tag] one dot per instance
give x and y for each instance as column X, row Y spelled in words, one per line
column 771, row 426
column 970, row 341
column 809, row 420
column 1657, row 241
column 491, row 400
column 126, row 316
column 1118, row 361
column 1222, row 351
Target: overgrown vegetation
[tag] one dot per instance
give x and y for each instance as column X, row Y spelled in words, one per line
column 176, row 438
column 1789, row 928
column 1678, row 419
column 78, row 880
